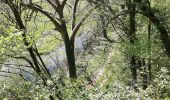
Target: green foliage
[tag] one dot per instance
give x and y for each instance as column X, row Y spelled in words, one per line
column 103, row 67
column 82, row 90
column 24, row 90
column 11, row 42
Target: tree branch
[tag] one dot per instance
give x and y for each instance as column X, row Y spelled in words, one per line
column 47, row 14
column 149, row 13
column 63, row 3
column 74, row 14
column 75, row 30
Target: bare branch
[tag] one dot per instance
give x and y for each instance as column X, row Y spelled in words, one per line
column 74, row 14
column 47, row 14
column 63, row 3
column 75, row 30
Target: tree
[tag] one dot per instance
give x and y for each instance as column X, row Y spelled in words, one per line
column 132, row 38
column 150, row 13
column 36, row 61
column 61, row 26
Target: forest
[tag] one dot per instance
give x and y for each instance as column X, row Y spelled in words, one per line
column 84, row 49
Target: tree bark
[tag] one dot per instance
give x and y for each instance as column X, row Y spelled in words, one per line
column 70, row 58
column 69, row 48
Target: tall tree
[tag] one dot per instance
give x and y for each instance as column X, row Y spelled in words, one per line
column 61, row 26
column 149, row 12
column 132, row 37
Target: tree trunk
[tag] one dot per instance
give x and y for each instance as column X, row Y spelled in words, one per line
column 133, row 70
column 69, row 47
column 149, row 48
column 132, row 37
column 145, row 75
column 21, row 26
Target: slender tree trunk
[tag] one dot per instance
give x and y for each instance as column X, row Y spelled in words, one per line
column 149, row 45
column 30, row 49
column 144, row 74
column 41, row 60
column 132, row 37
column 149, row 48
column 133, row 70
